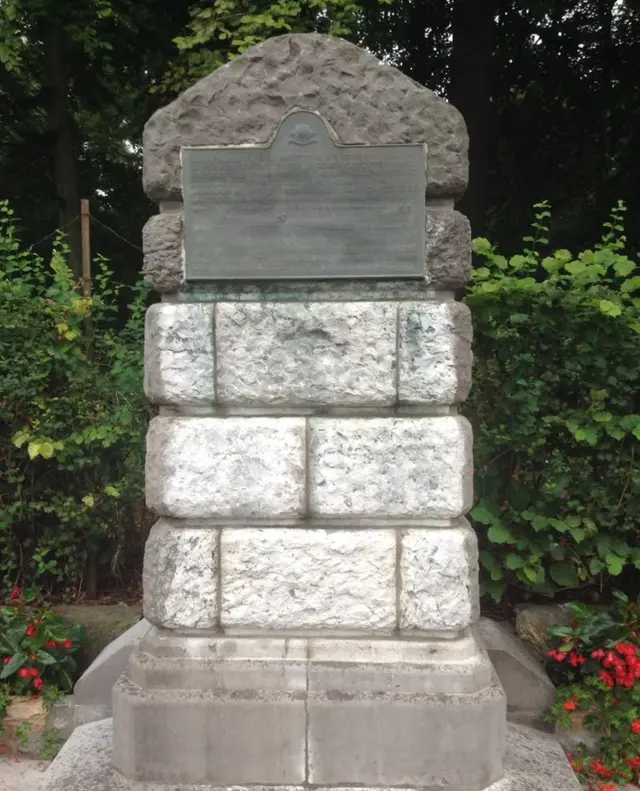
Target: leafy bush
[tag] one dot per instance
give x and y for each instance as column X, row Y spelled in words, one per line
column 600, row 651
column 555, row 410
column 72, row 419
column 37, row 647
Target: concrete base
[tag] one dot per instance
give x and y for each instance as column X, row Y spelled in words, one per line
column 530, row 693
column 534, row 762
column 235, row 711
column 92, row 692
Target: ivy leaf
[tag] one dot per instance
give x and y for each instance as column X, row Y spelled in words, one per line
column 499, row 533
column 513, row 561
column 112, row 492
column 623, row 266
column 88, row 500
column 46, row 450
column 33, row 450
column 481, row 515
column 615, row 564
column 632, row 284
column 564, row 575
column 609, row 308
column 482, row 246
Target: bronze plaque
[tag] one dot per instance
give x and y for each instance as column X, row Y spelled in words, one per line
column 304, row 208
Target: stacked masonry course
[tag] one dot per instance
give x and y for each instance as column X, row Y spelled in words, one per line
column 311, row 577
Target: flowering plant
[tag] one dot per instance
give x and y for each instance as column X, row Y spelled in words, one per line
column 37, row 647
column 599, row 653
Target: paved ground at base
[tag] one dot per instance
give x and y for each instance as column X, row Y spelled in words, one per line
column 23, row 775
column 20, row 775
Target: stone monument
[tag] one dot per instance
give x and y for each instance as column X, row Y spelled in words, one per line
column 311, row 580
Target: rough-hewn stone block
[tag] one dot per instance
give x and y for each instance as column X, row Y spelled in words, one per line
column 435, row 353
column 180, row 577
column 448, row 249
column 364, row 100
column 439, row 579
column 294, row 578
column 178, row 356
column 309, row 353
column 162, row 238
column 414, row 467
column 226, row 467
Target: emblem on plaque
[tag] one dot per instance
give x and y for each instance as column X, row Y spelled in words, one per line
column 302, row 135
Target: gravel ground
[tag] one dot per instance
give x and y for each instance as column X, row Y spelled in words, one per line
column 21, row 774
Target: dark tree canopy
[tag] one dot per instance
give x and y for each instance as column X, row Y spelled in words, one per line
column 549, row 89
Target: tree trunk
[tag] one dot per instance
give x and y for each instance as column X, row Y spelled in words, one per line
column 470, row 91
column 55, row 85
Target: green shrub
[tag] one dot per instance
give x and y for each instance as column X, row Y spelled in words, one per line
column 72, row 419
column 555, row 410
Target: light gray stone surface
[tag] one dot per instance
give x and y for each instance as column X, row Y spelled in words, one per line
column 439, row 579
column 364, row 100
column 321, row 662
column 434, row 353
column 528, row 688
column 179, row 354
column 533, row 762
column 227, row 467
column 92, row 692
column 388, row 739
column 180, row 578
column 448, row 248
column 318, row 353
column 414, row 467
column 162, row 238
column 190, row 737
column 292, row 578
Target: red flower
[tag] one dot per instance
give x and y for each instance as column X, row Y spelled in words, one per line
column 626, row 649
column 559, row 656
column 23, row 672
column 570, row 705
column 576, row 766
column 38, row 684
column 599, row 654
column 635, row 726
column 608, row 787
column 634, row 763
column 576, row 659
column 6, row 660
column 34, row 672
column 50, row 643
column 68, row 644
column 32, row 630
column 607, row 678
column 15, row 593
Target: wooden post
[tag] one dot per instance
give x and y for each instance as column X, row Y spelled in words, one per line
column 85, row 221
